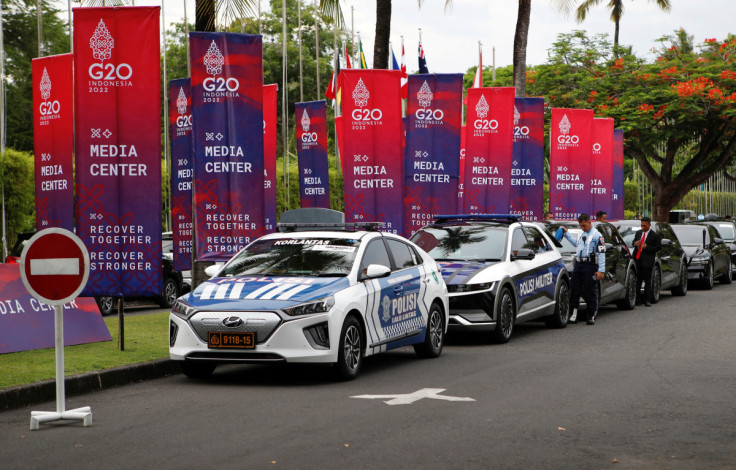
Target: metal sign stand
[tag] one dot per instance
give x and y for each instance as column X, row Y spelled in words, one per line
column 84, row 413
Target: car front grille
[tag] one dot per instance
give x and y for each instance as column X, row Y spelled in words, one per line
column 260, row 323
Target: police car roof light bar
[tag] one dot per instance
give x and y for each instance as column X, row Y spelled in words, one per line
column 491, row 217
column 355, row 226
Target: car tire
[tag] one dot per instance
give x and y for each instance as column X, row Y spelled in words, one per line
column 350, row 350
column 170, row 293
column 107, row 304
column 629, row 302
column 562, row 308
column 681, row 290
column 708, row 282
column 656, row 284
column 504, row 318
column 726, row 278
column 434, row 339
column 198, row 369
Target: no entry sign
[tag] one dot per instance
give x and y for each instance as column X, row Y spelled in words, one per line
column 54, row 266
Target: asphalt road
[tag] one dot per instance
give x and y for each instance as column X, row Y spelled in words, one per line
column 654, row 388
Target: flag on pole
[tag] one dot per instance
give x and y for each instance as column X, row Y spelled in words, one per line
column 330, row 91
column 348, row 65
column 333, row 91
column 422, row 60
column 394, row 65
column 404, row 77
column 363, row 64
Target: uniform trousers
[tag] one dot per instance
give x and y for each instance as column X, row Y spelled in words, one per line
column 583, row 283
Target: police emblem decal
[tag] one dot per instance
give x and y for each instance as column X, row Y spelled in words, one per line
column 386, row 305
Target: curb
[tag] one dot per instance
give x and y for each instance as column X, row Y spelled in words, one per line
column 39, row 392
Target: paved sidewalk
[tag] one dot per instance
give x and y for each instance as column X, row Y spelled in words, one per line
column 39, row 392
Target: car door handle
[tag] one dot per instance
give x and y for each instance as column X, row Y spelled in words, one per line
column 426, row 280
column 665, row 258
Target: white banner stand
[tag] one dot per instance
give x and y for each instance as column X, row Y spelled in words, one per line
column 55, row 269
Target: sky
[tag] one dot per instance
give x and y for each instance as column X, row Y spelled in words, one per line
column 451, row 38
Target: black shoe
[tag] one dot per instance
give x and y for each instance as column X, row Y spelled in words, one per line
column 647, row 304
column 591, row 318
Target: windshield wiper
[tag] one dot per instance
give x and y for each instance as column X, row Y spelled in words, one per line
column 492, row 259
column 330, row 275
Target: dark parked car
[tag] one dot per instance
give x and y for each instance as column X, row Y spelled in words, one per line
column 670, row 267
column 708, row 256
column 727, row 229
column 619, row 283
column 17, row 250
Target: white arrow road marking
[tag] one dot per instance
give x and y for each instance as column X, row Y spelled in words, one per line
column 55, row 266
column 409, row 398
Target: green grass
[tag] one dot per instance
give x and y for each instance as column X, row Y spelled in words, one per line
column 146, row 338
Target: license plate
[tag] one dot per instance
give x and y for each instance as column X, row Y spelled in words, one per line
column 224, row 340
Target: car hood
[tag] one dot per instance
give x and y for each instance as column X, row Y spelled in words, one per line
column 461, row 272
column 262, row 293
column 695, row 250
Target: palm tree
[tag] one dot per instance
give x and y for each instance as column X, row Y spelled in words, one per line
column 617, row 10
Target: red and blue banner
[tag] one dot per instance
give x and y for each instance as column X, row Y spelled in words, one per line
column 431, row 159
column 527, row 172
column 182, row 171
column 461, row 184
column 53, row 141
column 617, row 211
column 489, row 148
column 270, row 138
column 227, row 103
column 311, row 149
column 372, row 159
column 26, row 323
column 118, row 147
column 601, row 178
column 570, row 162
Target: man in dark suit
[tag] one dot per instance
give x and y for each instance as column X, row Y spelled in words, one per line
column 646, row 245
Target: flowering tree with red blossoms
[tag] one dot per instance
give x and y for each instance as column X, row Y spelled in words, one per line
column 678, row 111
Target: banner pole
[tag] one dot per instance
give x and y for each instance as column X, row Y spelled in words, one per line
column 59, row 343
column 186, row 39
column 301, row 84
column 167, row 151
column 284, row 102
column 316, row 41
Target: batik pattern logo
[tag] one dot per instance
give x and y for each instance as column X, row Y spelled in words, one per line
column 213, row 60
column 181, row 102
column 101, row 42
column 565, row 125
column 482, row 108
column 305, row 121
column 45, row 85
column 361, row 94
column 425, row 95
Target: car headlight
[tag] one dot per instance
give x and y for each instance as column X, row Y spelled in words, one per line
column 470, row 287
column 699, row 260
column 182, row 309
column 318, row 306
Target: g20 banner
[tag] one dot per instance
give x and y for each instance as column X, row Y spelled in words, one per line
column 118, row 147
column 270, row 137
column 53, row 141
column 311, row 148
column 227, row 103
column 489, row 147
column 182, row 171
column 601, row 179
column 617, row 211
column 373, row 168
column 26, row 323
column 431, row 160
column 570, row 162
column 527, row 172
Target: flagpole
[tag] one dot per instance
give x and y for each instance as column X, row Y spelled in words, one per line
column 39, row 16
column 284, row 100
column 69, row 13
column 259, row 18
column 493, row 74
column 186, row 39
column 352, row 32
column 167, row 153
column 337, row 105
column 301, row 84
column 2, row 125
column 316, row 40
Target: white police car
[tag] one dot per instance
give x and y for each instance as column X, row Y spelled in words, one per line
column 499, row 271
column 329, row 296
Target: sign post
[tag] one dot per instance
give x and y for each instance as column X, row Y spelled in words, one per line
column 55, row 269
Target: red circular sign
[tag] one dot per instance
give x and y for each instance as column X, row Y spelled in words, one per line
column 55, row 266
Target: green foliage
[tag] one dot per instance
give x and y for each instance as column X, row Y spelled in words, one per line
column 16, row 173
column 631, row 196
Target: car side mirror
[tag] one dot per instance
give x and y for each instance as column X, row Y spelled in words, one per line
column 609, row 246
column 665, row 242
column 212, row 271
column 374, row 271
column 523, row 253
column 718, row 241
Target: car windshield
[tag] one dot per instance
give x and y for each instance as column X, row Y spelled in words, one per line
column 628, row 232
column 463, row 242
column 689, row 235
column 726, row 231
column 567, row 247
column 322, row 257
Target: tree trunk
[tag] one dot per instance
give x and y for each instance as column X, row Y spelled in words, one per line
column 615, row 36
column 522, row 32
column 383, row 33
column 205, row 15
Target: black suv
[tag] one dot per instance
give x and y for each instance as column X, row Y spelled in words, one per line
column 727, row 229
column 670, row 265
column 619, row 282
column 709, row 257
